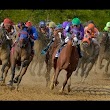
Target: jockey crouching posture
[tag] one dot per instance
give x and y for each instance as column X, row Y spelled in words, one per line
column 33, row 35
column 75, row 29
column 93, row 32
column 43, row 29
column 51, row 28
column 10, row 29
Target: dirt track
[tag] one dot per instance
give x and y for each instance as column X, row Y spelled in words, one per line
column 33, row 88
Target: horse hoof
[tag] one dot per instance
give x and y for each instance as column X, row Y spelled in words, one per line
column 1, row 79
column 56, row 83
column 9, row 83
column 68, row 89
column 60, row 91
column 15, row 81
column 51, row 86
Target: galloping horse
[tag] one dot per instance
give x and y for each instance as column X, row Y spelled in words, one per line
column 48, row 59
column 4, row 54
column 67, row 60
column 20, row 54
column 90, row 55
column 38, row 58
column 104, row 40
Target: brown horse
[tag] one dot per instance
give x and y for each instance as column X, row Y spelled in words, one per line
column 67, row 60
column 90, row 55
column 4, row 54
column 20, row 54
column 49, row 53
column 104, row 40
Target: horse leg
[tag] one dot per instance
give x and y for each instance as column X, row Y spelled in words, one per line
column 13, row 65
column 4, row 64
column 79, row 64
column 69, row 84
column 56, row 77
column 21, row 74
column 40, row 66
column 88, row 70
column 82, row 70
column 47, row 75
column 100, row 62
column 106, row 68
column 68, row 75
column 5, row 73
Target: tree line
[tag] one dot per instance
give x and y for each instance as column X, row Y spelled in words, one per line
column 100, row 17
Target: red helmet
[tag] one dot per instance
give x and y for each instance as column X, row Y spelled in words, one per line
column 28, row 24
column 7, row 21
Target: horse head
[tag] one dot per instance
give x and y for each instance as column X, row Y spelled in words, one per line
column 86, row 42
column 23, row 39
column 3, row 37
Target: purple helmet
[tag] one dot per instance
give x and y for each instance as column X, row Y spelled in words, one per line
column 64, row 24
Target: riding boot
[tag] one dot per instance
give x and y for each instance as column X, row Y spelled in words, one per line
column 48, row 46
column 59, row 48
column 79, row 50
column 61, row 45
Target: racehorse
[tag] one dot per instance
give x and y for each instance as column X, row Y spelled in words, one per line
column 48, row 59
column 90, row 56
column 67, row 60
column 4, row 54
column 21, row 55
column 38, row 58
column 104, row 40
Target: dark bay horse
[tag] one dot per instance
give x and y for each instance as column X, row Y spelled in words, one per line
column 104, row 40
column 67, row 60
column 4, row 54
column 90, row 56
column 20, row 54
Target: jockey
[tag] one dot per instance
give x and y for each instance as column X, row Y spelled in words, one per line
column 33, row 33
column 66, row 25
column 107, row 27
column 92, row 32
column 77, row 31
column 21, row 27
column 51, row 28
column 43, row 28
column 8, row 25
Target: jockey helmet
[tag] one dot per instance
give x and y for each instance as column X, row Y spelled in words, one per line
column 108, row 24
column 7, row 21
column 28, row 24
column 65, row 24
column 52, row 24
column 59, row 26
column 42, row 24
column 91, row 26
column 76, row 21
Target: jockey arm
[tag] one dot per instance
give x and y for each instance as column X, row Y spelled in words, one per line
column 34, row 34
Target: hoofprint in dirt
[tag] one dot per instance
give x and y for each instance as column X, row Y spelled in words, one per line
column 33, row 88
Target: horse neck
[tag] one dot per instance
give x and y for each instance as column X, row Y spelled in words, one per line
column 69, row 48
column 88, row 50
